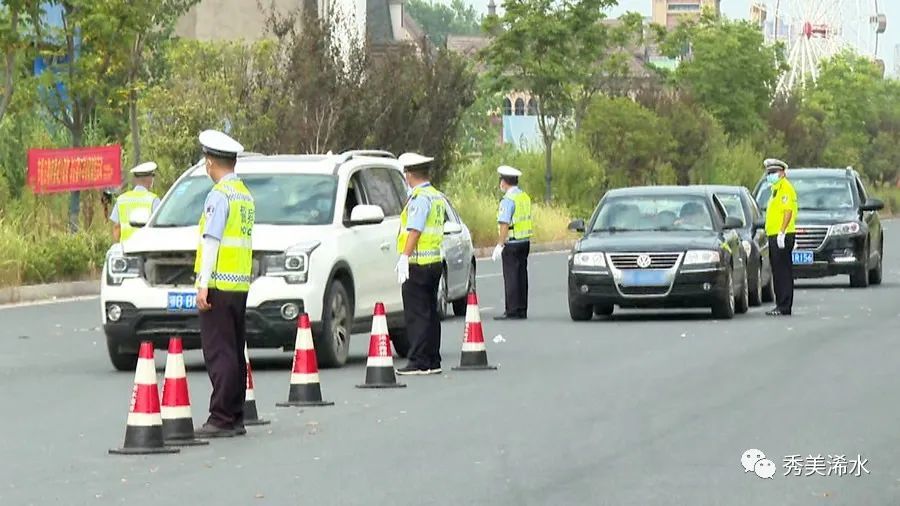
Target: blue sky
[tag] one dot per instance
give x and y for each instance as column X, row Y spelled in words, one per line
column 741, row 9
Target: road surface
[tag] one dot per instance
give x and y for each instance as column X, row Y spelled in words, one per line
column 652, row 408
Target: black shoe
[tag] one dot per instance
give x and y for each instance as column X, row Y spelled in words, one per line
column 209, row 430
column 434, row 370
column 412, row 370
column 778, row 312
column 505, row 316
column 240, row 430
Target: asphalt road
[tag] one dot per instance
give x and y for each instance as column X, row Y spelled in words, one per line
column 647, row 409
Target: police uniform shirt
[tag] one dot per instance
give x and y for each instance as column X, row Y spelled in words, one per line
column 507, row 209
column 114, row 216
column 216, row 209
column 417, row 211
column 783, row 198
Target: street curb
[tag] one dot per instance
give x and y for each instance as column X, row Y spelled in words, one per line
column 35, row 293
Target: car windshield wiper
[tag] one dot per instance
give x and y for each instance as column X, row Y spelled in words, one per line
column 611, row 229
column 168, row 225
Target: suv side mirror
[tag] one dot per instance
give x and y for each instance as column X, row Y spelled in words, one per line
column 139, row 217
column 872, row 205
column 366, row 215
column 732, row 223
column 451, row 227
column 576, row 225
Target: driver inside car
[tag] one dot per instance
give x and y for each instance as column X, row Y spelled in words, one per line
column 691, row 215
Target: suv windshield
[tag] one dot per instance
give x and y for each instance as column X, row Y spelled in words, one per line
column 815, row 193
column 653, row 212
column 281, row 199
column 733, row 206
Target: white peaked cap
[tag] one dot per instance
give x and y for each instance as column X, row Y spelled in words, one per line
column 217, row 144
column 506, row 170
column 144, row 169
column 414, row 159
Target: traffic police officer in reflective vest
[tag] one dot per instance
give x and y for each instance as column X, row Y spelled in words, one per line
column 223, row 266
column 781, row 216
column 138, row 198
column 514, row 243
column 419, row 268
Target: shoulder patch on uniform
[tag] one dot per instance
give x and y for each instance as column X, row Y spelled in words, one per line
column 784, row 199
column 209, row 210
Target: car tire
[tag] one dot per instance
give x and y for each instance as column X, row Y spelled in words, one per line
column 333, row 342
column 768, row 291
column 756, row 289
column 860, row 276
column 400, row 341
column 877, row 273
column 443, row 302
column 723, row 307
column 121, row 361
column 742, row 299
column 604, row 310
column 461, row 305
column 580, row 313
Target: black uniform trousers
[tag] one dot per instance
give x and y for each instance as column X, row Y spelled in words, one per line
column 222, row 337
column 782, row 272
column 423, row 323
column 515, row 277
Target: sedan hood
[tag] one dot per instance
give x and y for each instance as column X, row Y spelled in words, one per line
column 265, row 238
column 830, row 217
column 648, row 241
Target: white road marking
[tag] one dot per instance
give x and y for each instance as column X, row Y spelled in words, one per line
column 49, row 301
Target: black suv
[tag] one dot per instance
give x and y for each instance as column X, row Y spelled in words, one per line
column 838, row 229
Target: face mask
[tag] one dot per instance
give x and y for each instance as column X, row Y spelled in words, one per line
column 772, row 178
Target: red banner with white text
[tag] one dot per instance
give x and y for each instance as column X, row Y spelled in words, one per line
column 70, row 169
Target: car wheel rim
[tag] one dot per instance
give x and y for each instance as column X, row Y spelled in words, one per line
column 759, row 287
column 731, row 293
column 442, row 295
column 746, row 290
column 339, row 315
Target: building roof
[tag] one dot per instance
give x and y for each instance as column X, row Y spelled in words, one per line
column 468, row 45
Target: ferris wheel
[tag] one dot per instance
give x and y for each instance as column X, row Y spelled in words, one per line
column 815, row 30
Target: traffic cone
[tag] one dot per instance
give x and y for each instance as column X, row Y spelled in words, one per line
column 305, row 387
column 251, row 416
column 474, row 353
column 177, row 422
column 143, row 430
column 380, row 366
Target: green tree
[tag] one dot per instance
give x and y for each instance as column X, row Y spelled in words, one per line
column 729, row 69
column 545, row 48
column 629, row 139
column 16, row 18
column 439, row 20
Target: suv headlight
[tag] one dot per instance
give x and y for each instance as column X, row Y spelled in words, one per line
column 292, row 265
column 120, row 267
column 747, row 247
column 845, row 228
column 594, row 259
column 701, row 256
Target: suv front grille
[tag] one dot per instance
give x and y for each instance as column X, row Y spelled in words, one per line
column 177, row 269
column 810, row 237
column 657, row 260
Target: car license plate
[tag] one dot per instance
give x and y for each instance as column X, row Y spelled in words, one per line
column 182, row 301
column 644, row 278
column 802, row 257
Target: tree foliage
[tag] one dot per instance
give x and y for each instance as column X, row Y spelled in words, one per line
column 439, row 20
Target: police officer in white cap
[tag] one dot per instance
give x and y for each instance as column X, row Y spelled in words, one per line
column 223, row 266
column 781, row 220
column 419, row 267
column 514, row 243
column 140, row 197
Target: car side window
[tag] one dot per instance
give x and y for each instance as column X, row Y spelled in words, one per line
column 380, row 190
column 451, row 214
column 862, row 192
column 355, row 196
column 720, row 209
column 399, row 185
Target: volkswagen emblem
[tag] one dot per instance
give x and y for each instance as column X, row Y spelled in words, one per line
column 643, row 261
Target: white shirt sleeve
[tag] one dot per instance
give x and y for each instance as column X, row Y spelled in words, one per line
column 208, row 262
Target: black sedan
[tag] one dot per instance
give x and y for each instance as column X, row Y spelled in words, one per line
column 658, row 247
column 739, row 203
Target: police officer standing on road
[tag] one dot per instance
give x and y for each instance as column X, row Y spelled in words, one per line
column 419, row 267
column 138, row 198
column 514, row 243
column 781, row 216
column 224, row 263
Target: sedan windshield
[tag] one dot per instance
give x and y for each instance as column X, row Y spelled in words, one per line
column 821, row 193
column 280, row 199
column 733, row 207
column 653, row 213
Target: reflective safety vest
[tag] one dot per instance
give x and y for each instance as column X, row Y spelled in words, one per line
column 127, row 203
column 522, row 227
column 428, row 249
column 234, row 265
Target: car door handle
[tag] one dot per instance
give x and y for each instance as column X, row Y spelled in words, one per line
column 385, row 246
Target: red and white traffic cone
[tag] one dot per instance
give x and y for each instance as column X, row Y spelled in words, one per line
column 380, row 366
column 305, row 387
column 143, row 430
column 177, row 422
column 251, row 415
column 474, row 352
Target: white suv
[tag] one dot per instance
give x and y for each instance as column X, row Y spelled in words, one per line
column 324, row 243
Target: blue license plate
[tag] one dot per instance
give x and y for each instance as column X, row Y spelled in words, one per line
column 644, row 278
column 802, row 257
column 182, row 301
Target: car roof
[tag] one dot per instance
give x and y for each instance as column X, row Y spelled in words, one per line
column 723, row 188
column 822, row 171
column 635, row 191
column 330, row 164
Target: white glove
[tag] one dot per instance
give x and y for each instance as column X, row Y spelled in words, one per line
column 402, row 269
column 780, row 240
column 498, row 250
